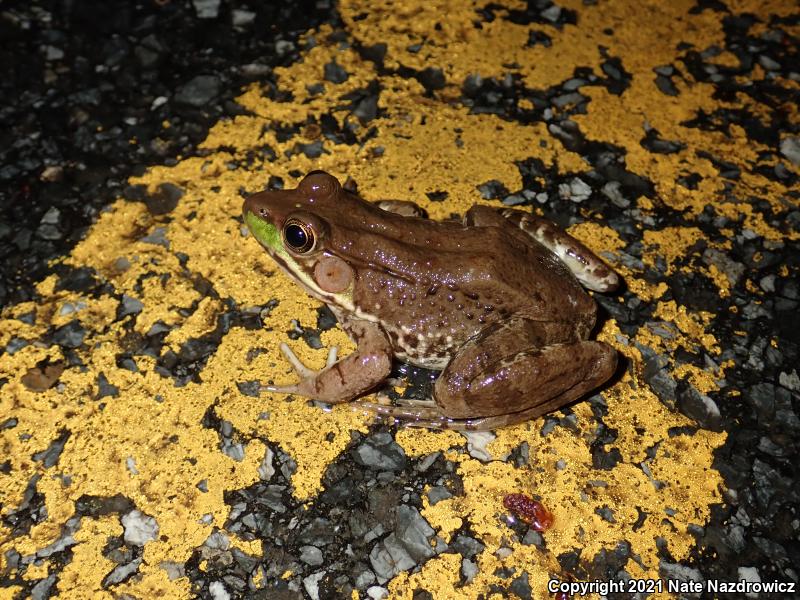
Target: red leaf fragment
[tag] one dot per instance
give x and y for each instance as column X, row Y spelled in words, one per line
column 529, row 510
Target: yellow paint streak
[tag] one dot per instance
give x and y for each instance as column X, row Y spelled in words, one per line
column 200, row 322
column 419, row 442
column 601, row 238
column 574, row 492
column 82, row 577
column 670, row 243
column 693, row 325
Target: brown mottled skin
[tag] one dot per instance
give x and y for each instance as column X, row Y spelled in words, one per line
column 484, row 300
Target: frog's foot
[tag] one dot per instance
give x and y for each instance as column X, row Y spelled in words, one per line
column 424, row 413
column 587, row 267
column 306, row 375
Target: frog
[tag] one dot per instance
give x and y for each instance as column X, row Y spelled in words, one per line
column 496, row 301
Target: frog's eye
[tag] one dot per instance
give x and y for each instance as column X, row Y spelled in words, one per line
column 298, row 236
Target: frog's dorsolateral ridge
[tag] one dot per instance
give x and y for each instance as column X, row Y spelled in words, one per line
column 495, row 301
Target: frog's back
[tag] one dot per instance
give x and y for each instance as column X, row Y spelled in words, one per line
column 446, row 281
column 515, row 274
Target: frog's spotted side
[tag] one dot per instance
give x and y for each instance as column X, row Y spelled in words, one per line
column 494, row 301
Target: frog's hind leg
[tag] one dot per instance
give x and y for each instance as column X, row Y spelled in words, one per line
column 520, row 370
column 434, row 418
column 512, row 372
column 582, row 366
column 587, row 267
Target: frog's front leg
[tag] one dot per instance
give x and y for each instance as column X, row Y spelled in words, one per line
column 349, row 377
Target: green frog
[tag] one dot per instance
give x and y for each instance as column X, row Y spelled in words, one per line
column 495, row 302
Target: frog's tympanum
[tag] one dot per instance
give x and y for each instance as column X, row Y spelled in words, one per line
column 494, row 302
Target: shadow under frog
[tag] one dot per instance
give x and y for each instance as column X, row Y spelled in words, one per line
column 495, row 302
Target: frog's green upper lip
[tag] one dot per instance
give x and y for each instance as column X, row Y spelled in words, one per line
column 256, row 216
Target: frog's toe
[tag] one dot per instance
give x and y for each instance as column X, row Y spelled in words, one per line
column 417, row 402
column 297, row 364
column 419, row 414
column 333, row 354
column 280, row 389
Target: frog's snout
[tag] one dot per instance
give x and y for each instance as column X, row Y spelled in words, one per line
column 252, row 205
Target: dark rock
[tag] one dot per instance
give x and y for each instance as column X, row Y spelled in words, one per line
column 438, row 493
column 732, row 269
column 319, row 532
column 380, row 451
column 49, row 457
column 492, row 189
column 249, row 388
column 325, row 318
column 98, row 506
column 437, row 196
column 122, row 573
column 680, row 572
column 41, row 589
column 699, row 407
column 389, row 557
column 774, row 551
column 432, row 79
column 29, row 318
column 521, row 586
column 311, row 555
column 70, row 335
column 335, row 73
column 466, row 546
column 344, row 492
column 660, row 381
column 790, row 148
column 104, row 388
column 533, row 537
column 157, row 237
column 366, row 109
column 9, row 423
column 164, row 200
column 313, row 150
column 129, row 306
column 413, row 532
column 81, row 279
column 655, row 144
column 375, row 53
column 199, row 91
column 606, row 513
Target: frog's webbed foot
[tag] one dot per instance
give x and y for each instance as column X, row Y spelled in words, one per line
column 587, row 267
column 425, row 413
column 303, row 371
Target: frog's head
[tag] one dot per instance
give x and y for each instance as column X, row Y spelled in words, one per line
column 293, row 226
